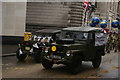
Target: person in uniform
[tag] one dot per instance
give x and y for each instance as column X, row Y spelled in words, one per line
column 119, row 42
column 115, row 42
column 109, row 43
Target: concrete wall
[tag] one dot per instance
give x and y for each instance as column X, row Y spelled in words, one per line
column 0, row 17
column 118, row 9
column 107, row 11
column 53, row 14
column 13, row 18
column 46, row 14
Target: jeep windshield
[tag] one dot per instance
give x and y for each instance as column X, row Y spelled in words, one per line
column 75, row 35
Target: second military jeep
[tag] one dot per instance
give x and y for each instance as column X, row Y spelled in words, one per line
column 76, row 44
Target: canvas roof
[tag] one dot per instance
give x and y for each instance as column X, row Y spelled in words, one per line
column 84, row 29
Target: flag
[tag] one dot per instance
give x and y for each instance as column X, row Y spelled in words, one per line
column 106, row 30
column 87, row 5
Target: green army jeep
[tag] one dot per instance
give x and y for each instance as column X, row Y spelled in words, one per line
column 76, row 44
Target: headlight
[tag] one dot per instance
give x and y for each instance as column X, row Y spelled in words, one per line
column 69, row 53
column 46, row 49
column 53, row 48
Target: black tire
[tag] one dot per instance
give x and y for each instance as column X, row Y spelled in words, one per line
column 20, row 57
column 47, row 64
column 97, row 61
column 37, row 57
column 75, row 66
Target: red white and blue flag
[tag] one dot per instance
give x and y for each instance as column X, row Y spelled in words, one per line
column 106, row 30
column 87, row 5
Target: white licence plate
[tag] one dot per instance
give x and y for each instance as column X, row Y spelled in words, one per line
column 55, row 57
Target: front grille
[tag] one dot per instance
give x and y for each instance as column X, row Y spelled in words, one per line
column 61, row 51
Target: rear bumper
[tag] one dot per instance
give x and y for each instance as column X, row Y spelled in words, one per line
column 26, row 52
column 57, row 61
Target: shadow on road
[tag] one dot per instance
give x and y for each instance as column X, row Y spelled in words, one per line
column 64, row 69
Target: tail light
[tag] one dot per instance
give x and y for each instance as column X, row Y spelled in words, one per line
column 43, row 49
column 51, row 53
column 26, row 43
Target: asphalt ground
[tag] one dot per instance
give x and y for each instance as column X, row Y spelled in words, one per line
column 12, row 68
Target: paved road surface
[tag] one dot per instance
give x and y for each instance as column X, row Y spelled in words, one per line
column 30, row 69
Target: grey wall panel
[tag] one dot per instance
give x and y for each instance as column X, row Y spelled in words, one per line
column 13, row 18
column 57, row 14
column 48, row 14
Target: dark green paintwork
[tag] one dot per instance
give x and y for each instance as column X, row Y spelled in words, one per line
column 85, row 49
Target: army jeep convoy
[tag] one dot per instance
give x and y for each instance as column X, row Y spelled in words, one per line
column 69, row 46
column 74, row 45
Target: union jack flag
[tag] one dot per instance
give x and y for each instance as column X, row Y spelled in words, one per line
column 87, row 5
